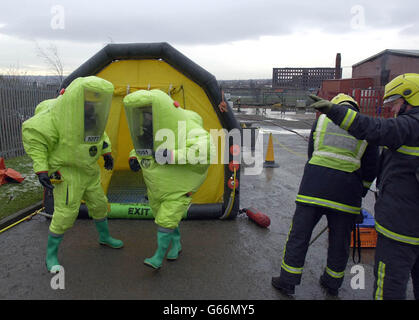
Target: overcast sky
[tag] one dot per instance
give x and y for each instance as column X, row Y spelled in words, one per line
column 230, row 39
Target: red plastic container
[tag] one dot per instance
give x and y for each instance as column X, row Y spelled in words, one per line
column 260, row 218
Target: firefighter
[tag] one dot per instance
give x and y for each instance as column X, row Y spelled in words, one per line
column 336, row 177
column 68, row 138
column 169, row 174
column 397, row 205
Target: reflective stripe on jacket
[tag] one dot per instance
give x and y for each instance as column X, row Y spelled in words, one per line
column 328, row 204
column 335, row 148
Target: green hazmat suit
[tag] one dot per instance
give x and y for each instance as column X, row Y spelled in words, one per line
column 169, row 186
column 58, row 139
column 44, row 105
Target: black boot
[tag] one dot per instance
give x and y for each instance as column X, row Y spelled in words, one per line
column 285, row 288
column 330, row 291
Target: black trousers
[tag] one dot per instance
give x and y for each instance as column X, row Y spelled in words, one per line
column 395, row 262
column 305, row 219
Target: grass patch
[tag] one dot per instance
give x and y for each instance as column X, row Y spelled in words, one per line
column 17, row 196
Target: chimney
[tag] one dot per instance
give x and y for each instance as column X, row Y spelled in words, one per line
column 338, row 68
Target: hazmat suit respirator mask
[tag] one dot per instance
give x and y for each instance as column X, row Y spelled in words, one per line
column 96, row 111
column 140, row 122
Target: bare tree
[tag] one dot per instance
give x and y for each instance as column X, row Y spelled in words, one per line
column 52, row 59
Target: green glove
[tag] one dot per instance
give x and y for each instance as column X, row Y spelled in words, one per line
column 321, row 104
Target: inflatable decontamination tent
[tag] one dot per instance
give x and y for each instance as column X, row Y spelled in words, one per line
column 146, row 66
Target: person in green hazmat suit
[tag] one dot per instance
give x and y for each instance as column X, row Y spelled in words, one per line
column 68, row 138
column 174, row 151
column 106, row 148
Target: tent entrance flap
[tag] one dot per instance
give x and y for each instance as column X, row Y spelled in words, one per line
column 127, row 187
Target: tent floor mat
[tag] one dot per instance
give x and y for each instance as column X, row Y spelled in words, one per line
column 127, row 187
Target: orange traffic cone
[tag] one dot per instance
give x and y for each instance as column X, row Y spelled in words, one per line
column 270, row 159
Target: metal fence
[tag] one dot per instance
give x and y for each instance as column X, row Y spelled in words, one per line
column 371, row 102
column 17, row 104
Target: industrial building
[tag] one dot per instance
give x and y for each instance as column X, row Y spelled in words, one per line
column 386, row 65
column 305, row 78
column 369, row 77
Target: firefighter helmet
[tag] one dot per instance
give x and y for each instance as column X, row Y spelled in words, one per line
column 405, row 86
column 341, row 98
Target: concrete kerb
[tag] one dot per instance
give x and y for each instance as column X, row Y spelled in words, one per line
column 9, row 220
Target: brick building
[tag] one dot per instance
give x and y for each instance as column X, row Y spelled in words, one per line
column 305, row 78
column 386, row 65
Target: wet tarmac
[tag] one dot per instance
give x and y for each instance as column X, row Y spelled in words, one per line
column 221, row 260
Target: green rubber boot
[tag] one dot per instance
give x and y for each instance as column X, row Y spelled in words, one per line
column 52, row 250
column 163, row 242
column 176, row 248
column 104, row 237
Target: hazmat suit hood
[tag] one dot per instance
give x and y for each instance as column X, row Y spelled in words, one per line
column 70, row 110
column 186, row 125
column 44, row 105
column 165, row 114
column 56, row 137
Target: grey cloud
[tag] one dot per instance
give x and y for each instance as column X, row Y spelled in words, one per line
column 409, row 30
column 192, row 21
